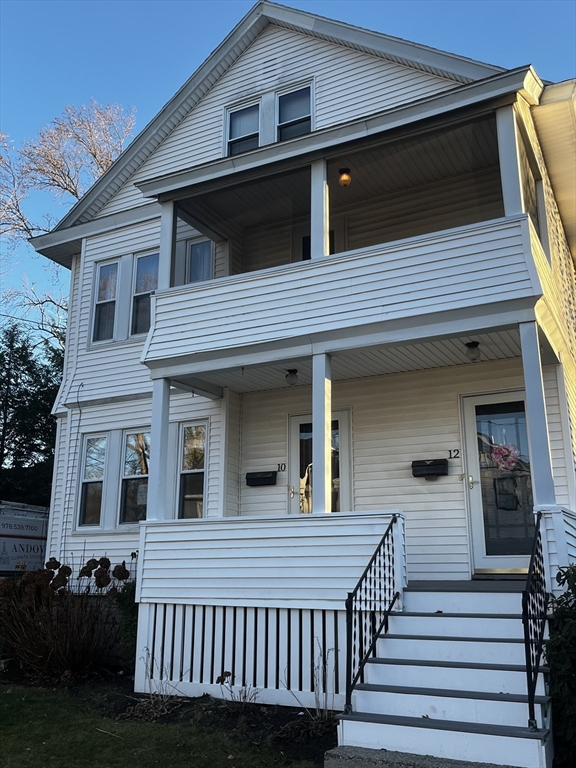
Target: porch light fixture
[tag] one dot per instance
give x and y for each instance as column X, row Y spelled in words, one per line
column 473, row 351
column 292, row 377
column 345, row 179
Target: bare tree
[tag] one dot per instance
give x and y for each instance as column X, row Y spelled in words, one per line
column 65, row 159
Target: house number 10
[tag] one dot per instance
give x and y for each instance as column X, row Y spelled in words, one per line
column 281, row 467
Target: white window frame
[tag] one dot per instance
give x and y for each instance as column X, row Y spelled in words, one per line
column 82, row 481
column 285, row 92
column 181, row 472
column 97, row 267
column 121, row 524
column 189, row 244
column 228, row 116
column 133, row 293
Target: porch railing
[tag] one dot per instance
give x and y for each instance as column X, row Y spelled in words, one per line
column 367, row 609
column 534, row 610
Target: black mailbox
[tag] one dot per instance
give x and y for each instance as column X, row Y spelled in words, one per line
column 429, row 469
column 261, row 478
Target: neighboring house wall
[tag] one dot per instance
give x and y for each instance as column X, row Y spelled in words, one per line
column 347, row 85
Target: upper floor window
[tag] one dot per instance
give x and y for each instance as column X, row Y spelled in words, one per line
column 145, row 281
column 243, row 129
column 199, row 263
column 135, row 477
column 92, row 480
column 105, row 308
column 294, row 116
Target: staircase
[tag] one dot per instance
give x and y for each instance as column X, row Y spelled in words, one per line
column 449, row 680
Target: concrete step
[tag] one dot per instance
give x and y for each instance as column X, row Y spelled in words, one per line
column 450, row 648
column 457, row 624
column 481, row 677
column 458, row 740
column 448, row 704
column 463, row 602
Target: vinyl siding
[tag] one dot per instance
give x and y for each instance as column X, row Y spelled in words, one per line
column 454, row 269
column 395, row 420
column 73, row 544
column 348, row 84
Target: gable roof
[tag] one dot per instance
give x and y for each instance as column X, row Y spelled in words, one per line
column 421, row 57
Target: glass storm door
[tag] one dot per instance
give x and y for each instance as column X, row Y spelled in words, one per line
column 302, row 471
column 499, row 482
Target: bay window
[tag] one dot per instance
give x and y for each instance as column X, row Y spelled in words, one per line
column 134, row 484
column 92, row 480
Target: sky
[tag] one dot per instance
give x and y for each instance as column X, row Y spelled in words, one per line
column 139, row 52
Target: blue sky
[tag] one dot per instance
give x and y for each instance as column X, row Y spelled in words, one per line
column 139, row 52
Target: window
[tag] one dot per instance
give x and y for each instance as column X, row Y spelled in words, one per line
column 199, row 265
column 243, row 130
column 135, row 477
column 294, row 118
column 105, row 309
column 145, row 281
column 92, row 480
column 193, row 453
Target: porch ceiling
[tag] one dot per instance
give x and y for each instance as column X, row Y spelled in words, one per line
column 376, row 171
column 372, row 361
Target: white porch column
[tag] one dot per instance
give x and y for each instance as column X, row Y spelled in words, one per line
column 321, row 434
column 156, row 507
column 319, row 211
column 509, row 161
column 537, row 425
column 167, row 240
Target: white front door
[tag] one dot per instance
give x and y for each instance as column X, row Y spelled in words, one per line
column 301, row 470
column 499, row 482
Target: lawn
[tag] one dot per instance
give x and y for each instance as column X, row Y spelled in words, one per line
column 82, row 727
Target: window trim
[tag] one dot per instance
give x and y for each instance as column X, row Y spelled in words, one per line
column 179, row 456
column 196, row 241
column 133, row 294
column 238, row 108
column 82, row 481
column 96, row 276
column 286, row 92
column 120, row 524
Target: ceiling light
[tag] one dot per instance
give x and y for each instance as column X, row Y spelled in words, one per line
column 292, row 377
column 473, row 351
column 344, row 179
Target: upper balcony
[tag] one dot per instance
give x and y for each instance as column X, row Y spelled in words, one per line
column 422, row 228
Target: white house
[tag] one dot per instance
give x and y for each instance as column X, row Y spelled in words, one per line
column 328, row 293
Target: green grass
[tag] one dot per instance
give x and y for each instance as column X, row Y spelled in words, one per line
column 41, row 728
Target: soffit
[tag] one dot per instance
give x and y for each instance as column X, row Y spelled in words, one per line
column 555, row 120
column 373, row 361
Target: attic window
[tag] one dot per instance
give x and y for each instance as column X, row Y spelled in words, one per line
column 294, row 118
column 243, row 130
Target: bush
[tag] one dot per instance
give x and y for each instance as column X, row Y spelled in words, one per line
column 128, row 615
column 61, row 630
column 561, row 657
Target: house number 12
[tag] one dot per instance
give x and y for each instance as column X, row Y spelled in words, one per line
column 454, row 454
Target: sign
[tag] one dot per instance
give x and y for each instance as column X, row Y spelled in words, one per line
column 22, row 543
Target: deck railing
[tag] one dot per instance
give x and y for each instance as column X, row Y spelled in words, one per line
column 367, row 609
column 534, row 610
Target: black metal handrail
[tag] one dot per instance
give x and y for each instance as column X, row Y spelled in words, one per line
column 367, row 609
column 534, row 611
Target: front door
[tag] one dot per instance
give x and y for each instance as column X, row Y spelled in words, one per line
column 499, row 482
column 301, row 469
